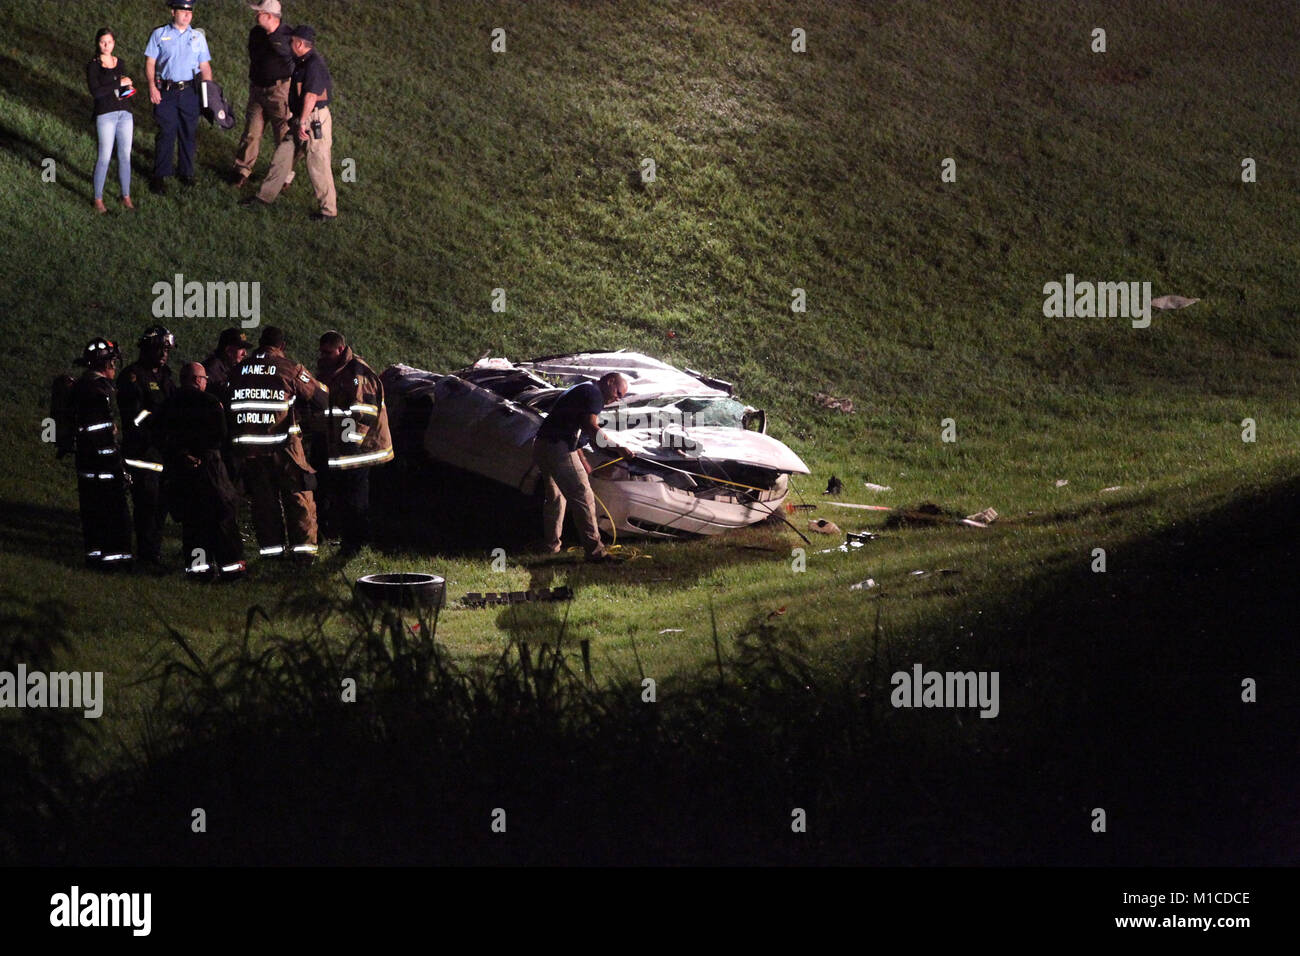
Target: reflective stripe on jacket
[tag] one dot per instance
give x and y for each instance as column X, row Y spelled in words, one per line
column 356, row 421
column 265, row 390
column 95, row 439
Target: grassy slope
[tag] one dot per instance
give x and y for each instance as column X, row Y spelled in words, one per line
column 774, row 171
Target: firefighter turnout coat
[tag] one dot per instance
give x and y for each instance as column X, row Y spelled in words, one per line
column 269, row 393
column 141, row 392
column 101, row 477
column 356, row 421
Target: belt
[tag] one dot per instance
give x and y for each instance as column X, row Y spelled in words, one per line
column 168, row 85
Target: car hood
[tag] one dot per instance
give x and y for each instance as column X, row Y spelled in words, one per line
column 713, row 443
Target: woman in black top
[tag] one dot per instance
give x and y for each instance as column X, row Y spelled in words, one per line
column 110, row 86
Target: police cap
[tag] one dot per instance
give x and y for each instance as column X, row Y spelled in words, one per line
column 233, row 337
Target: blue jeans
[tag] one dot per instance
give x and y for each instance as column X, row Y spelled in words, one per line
column 118, row 126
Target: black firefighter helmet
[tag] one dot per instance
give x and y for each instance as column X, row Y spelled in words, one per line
column 98, row 352
column 157, row 337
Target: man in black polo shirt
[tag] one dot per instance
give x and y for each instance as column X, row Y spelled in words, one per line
column 572, row 422
column 270, row 64
column 312, row 129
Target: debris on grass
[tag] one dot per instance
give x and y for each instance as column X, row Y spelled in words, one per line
column 863, row 585
column 671, row 630
column 930, row 514
column 872, row 486
column 822, row 526
column 476, row 600
column 1062, row 482
column 1111, row 488
column 980, row 519
column 1166, row 302
column 834, row 487
column 839, row 404
column 852, row 541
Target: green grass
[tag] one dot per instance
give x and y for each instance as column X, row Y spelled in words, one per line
column 775, row 171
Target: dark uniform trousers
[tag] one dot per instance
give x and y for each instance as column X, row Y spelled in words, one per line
column 178, row 112
column 346, row 495
column 206, row 504
column 150, row 512
column 105, row 520
column 281, row 495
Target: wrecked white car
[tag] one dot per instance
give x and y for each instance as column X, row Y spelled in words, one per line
column 704, row 465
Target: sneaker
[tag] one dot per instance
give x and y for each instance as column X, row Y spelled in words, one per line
column 321, row 217
column 158, row 185
column 253, row 202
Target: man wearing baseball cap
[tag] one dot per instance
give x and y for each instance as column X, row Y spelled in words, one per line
column 176, row 56
column 231, row 348
column 270, row 64
column 311, row 91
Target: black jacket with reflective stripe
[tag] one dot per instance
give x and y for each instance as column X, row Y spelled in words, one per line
column 96, row 432
column 141, row 393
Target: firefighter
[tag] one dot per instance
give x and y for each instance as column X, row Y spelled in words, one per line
column 356, row 438
column 144, row 387
column 101, row 477
column 231, row 348
column 192, row 431
column 269, row 392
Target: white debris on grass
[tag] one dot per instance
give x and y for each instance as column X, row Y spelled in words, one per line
column 1166, row 302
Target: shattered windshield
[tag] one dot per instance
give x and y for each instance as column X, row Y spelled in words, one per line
column 681, row 412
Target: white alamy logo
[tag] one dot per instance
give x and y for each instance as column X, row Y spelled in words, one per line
column 922, row 688
column 179, row 299
column 1098, row 300
column 84, row 691
column 74, row 908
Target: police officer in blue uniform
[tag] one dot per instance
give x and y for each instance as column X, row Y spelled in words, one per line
column 176, row 59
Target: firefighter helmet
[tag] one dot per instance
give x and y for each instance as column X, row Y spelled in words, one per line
column 158, row 336
column 99, row 351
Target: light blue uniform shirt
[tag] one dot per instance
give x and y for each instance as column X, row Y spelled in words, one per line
column 178, row 53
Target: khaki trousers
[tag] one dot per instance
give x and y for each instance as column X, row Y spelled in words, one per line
column 280, row 496
column 564, row 478
column 317, row 152
column 264, row 103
